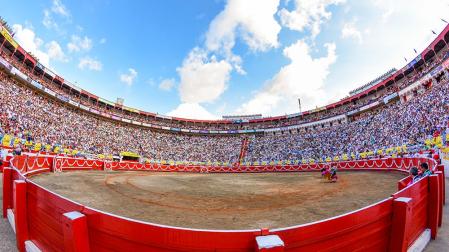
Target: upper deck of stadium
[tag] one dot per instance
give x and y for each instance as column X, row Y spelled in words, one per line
column 386, row 87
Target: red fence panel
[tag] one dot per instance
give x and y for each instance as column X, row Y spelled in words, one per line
column 419, row 194
column 109, row 232
column 45, row 210
column 367, row 229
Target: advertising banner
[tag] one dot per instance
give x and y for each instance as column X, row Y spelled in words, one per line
column 84, row 107
column 390, row 97
column 62, row 98
column 36, row 84
column 4, row 63
column 50, row 92
column 18, row 73
column 436, row 70
column 73, row 103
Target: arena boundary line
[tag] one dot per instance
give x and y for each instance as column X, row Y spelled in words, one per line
column 165, row 237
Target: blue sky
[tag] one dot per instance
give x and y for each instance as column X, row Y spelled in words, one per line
column 203, row 59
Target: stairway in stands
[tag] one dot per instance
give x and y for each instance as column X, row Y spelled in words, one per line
column 243, row 149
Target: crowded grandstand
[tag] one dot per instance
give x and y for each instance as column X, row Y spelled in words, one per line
column 400, row 113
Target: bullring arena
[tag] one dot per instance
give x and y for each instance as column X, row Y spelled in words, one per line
column 55, row 201
column 224, row 201
column 366, row 173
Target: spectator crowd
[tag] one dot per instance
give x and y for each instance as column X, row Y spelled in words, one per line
column 36, row 118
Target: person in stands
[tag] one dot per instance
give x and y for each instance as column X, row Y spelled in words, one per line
column 425, row 171
column 17, row 151
column 414, row 172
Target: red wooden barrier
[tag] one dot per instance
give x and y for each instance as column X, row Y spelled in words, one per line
column 7, row 190
column 76, row 235
column 441, row 169
column 402, row 218
column 441, row 199
column 434, row 205
column 379, row 227
column 20, row 213
column 367, row 229
column 419, row 193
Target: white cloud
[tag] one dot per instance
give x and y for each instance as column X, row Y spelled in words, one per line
column 103, row 41
column 91, row 64
column 193, row 111
column 129, row 77
column 389, row 40
column 167, row 84
column 205, row 72
column 48, row 21
column 77, row 44
column 308, row 15
column 203, row 78
column 59, row 8
column 43, row 51
column 253, row 19
column 55, row 51
column 303, row 78
column 350, row 31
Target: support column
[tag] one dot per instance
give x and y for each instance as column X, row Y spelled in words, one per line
column 402, row 217
column 76, row 236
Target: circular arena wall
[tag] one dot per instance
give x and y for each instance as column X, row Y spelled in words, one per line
column 47, row 221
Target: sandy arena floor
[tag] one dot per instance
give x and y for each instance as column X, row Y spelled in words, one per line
column 222, row 201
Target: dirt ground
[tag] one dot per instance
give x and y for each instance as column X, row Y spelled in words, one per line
column 222, row 201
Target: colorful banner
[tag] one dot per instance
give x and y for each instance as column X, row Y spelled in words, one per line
column 106, row 102
column 130, row 109
column 8, row 37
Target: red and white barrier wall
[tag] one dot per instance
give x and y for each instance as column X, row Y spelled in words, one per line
column 47, row 221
